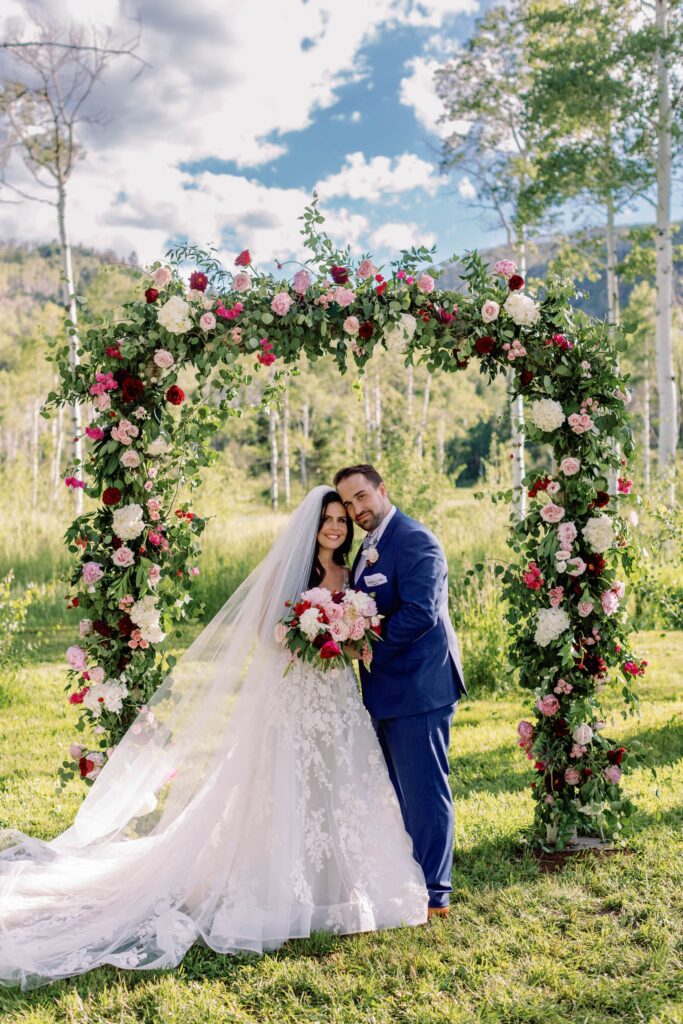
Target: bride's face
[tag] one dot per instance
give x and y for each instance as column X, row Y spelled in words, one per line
column 334, row 529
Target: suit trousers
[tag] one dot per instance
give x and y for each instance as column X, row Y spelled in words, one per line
column 415, row 748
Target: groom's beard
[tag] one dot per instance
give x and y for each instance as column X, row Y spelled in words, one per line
column 372, row 521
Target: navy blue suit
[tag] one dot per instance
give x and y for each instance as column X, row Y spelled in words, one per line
column 413, row 687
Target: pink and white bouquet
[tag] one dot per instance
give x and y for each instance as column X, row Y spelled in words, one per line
column 330, row 629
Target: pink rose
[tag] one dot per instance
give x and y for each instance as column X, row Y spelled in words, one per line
column 548, row 705
column 154, row 504
column 103, row 402
column 280, row 632
column 525, row 730
column 96, row 675
column 609, row 602
column 552, row 513
column 76, row 751
column 357, row 630
column 366, row 268
column 578, row 566
column 572, row 777
column 566, row 534
column 555, row 596
column 281, row 303
column 161, row 277
column 301, row 282
column 153, row 575
column 207, row 321
column 92, row 572
column 351, row 325
column 77, row 658
column 505, row 268
column 570, row 466
column 613, row 774
column 585, row 608
column 130, row 459
column 241, row 282
column 490, row 311
column 553, row 487
column 426, row 283
column 619, row 588
column 163, row 359
column 123, row 557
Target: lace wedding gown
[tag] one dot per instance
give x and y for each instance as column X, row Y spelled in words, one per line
column 284, row 822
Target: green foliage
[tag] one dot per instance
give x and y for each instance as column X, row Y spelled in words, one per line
column 13, row 610
column 479, row 615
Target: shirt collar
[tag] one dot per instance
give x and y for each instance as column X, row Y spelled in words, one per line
column 376, row 534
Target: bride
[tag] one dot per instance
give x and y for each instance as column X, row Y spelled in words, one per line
column 242, row 808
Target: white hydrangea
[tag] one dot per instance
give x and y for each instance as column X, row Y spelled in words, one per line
column 599, row 533
column 145, row 614
column 107, row 695
column 546, row 414
column 582, row 734
column 399, row 333
column 127, row 521
column 174, row 315
column 159, row 446
column 309, row 624
column 550, row 623
column 522, row 309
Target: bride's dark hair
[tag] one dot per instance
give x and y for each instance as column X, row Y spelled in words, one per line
column 339, row 555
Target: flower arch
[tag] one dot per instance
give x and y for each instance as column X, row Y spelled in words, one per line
column 136, row 553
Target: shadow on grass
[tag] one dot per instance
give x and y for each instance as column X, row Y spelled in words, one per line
column 495, row 770
column 664, row 745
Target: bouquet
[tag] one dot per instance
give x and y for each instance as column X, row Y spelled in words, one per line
column 328, row 629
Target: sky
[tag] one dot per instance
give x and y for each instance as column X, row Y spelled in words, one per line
column 245, row 109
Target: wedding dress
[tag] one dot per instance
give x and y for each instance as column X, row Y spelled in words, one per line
column 245, row 807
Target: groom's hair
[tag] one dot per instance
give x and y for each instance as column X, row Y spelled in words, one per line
column 366, row 470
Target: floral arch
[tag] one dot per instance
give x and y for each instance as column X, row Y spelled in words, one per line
column 135, row 554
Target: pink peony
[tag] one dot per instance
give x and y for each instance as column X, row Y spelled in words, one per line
column 92, row 572
column 566, row 534
column 426, row 283
column 77, row 658
column 505, row 268
column 351, row 325
column 281, row 303
column 207, row 321
column 301, row 282
column 525, row 731
column 161, row 277
column 585, row 608
column 343, row 296
column 163, row 359
column 613, row 774
column 548, row 705
column 97, row 675
column 578, row 566
column 570, row 466
column 103, row 402
column 123, row 557
column 572, row 777
column 552, row 513
column 366, row 268
column 609, row 602
column 94, row 433
column 241, row 282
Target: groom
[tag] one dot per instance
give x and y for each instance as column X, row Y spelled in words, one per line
column 416, row 678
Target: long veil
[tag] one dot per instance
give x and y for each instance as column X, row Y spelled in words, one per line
column 161, row 778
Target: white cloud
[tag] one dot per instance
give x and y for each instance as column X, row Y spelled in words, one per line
column 390, row 238
column 379, row 177
column 417, row 90
column 466, row 189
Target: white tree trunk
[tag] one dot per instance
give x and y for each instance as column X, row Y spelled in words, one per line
column 272, row 437
column 666, row 384
column 647, row 471
column 34, row 456
column 378, row 418
column 440, row 446
column 410, row 393
column 72, row 309
column 368, row 419
column 612, row 278
column 419, row 441
column 519, row 495
column 285, row 449
column 59, row 447
column 303, row 450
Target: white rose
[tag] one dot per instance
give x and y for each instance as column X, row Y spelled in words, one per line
column 127, row 522
column 522, row 309
column 174, row 315
column 599, row 533
column 152, row 633
column 582, row 735
column 550, row 623
column 490, row 311
column 145, row 610
column 546, row 414
column 308, row 623
column 159, row 446
column 163, row 359
column 130, row 459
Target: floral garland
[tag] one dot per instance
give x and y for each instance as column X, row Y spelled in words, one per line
column 137, row 551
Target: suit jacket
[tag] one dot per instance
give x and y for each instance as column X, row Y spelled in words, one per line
column 416, row 667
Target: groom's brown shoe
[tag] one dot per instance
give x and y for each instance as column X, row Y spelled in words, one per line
column 437, row 912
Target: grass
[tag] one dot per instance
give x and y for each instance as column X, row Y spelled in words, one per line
column 599, row 942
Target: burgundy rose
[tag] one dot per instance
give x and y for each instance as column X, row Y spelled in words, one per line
column 199, row 281
column 561, row 727
column 151, row 295
column 322, row 639
column 116, row 543
column 244, row 259
column 340, row 275
column 132, row 389
column 125, row 625
column 601, row 499
column 122, row 662
column 592, row 664
column 484, row 346
column 366, row 330
column 616, row 756
column 111, row 496
column 101, row 627
column 114, row 352
column 175, row 395
column 515, row 282
column 526, row 377
column 595, row 565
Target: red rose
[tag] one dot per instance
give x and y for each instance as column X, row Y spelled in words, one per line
column 151, row 295
column 366, row 330
column 132, row 389
column 111, row 496
column 526, row 377
column 602, row 499
column 381, row 288
column 330, row 650
column 199, row 281
column 595, row 565
column 539, row 766
column 616, row 756
column 340, row 275
column 244, row 259
column 101, row 627
column 377, row 629
column 445, row 317
column 85, row 766
column 114, row 352
column 484, row 346
column 125, row 625
column 175, row 395
column 515, row 283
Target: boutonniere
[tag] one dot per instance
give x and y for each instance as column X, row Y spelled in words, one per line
column 372, row 555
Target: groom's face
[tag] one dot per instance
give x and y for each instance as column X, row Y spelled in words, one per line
column 366, row 504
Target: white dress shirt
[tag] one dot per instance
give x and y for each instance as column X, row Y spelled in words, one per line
column 372, row 540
